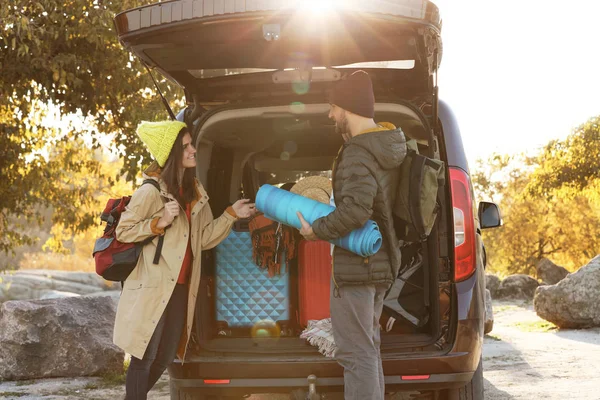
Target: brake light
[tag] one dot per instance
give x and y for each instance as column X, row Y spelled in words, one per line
column 216, row 381
column 464, row 225
column 415, row 377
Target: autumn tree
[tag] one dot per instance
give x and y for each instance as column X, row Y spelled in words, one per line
column 569, row 165
column 62, row 58
column 549, row 203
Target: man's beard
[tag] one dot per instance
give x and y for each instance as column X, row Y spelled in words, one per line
column 341, row 126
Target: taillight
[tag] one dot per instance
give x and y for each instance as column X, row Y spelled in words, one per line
column 464, row 225
column 415, row 377
column 217, row 381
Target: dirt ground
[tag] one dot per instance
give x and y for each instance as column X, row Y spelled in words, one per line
column 524, row 358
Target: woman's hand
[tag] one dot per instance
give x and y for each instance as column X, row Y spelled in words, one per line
column 244, row 209
column 169, row 214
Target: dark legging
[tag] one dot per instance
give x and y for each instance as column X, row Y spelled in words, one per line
column 143, row 374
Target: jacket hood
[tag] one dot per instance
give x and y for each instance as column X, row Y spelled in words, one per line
column 388, row 145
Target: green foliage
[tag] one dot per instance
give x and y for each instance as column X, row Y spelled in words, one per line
column 549, row 203
column 60, row 59
column 570, row 165
column 535, row 326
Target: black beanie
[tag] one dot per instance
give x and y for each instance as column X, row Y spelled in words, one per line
column 355, row 94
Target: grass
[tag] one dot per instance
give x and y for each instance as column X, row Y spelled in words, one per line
column 504, row 307
column 493, row 337
column 535, row 326
column 12, row 394
column 66, row 392
column 91, row 386
column 114, row 378
column 24, row 383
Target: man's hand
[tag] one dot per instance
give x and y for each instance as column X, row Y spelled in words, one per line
column 307, row 230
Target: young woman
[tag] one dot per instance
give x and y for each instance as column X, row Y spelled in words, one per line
column 156, row 308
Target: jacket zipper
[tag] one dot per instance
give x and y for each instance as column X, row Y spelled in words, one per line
column 336, row 290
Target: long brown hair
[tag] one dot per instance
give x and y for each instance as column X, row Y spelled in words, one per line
column 171, row 169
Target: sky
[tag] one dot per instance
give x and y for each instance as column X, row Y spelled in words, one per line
column 519, row 73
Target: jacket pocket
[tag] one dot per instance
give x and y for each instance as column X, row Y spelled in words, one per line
column 137, row 284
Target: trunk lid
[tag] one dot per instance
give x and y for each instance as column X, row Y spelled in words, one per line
column 223, row 50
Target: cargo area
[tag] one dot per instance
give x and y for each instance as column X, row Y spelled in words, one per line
column 246, row 310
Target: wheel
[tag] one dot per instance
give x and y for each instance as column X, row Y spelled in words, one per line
column 471, row 391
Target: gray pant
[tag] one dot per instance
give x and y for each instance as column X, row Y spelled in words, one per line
column 355, row 319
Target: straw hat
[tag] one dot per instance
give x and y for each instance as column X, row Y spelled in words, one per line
column 314, row 187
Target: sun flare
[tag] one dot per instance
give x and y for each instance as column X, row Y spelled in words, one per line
column 319, row 7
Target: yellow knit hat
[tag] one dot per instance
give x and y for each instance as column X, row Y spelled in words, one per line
column 159, row 137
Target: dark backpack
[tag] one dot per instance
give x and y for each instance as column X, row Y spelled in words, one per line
column 405, row 300
column 416, row 208
column 115, row 260
column 415, row 211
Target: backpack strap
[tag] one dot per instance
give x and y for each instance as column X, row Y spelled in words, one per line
column 152, row 182
column 159, row 247
column 414, row 194
column 161, row 238
column 414, row 207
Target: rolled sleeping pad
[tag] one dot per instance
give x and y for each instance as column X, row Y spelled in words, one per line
column 281, row 206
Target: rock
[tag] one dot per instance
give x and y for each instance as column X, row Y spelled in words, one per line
column 492, row 282
column 572, row 302
column 84, row 278
column 56, row 294
column 519, row 286
column 58, row 338
column 489, row 313
column 550, row 273
column 114, row 294
column 30, row 286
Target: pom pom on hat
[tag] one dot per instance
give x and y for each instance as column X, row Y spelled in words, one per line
column 159, row 137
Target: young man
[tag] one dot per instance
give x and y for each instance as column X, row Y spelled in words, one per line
column 365, row 174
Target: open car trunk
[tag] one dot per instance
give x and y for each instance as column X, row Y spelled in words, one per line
column 257, row 77
column 242, row 147
column 219, row 50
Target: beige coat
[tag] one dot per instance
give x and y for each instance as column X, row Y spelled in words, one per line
column 147, row 290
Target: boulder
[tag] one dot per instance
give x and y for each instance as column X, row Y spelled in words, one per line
column 63, row 337
column 489, row 313
column 550, row 273
column 114, row 294
column 56, row 294
column 33, row 284
column 573, row 302
column 492, row 282
column 84, row 278
column 519, row 286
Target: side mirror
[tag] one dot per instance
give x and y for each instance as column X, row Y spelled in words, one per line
column 489, row 215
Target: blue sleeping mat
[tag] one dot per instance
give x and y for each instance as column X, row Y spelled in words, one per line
column 245, row 294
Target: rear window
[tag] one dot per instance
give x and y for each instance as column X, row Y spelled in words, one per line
column 279, row 178
column 216, row 73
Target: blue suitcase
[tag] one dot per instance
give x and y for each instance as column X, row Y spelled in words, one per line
column 245, row 294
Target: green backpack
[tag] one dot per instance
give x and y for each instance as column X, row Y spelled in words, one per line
column 415, row 211
column 416, row 208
